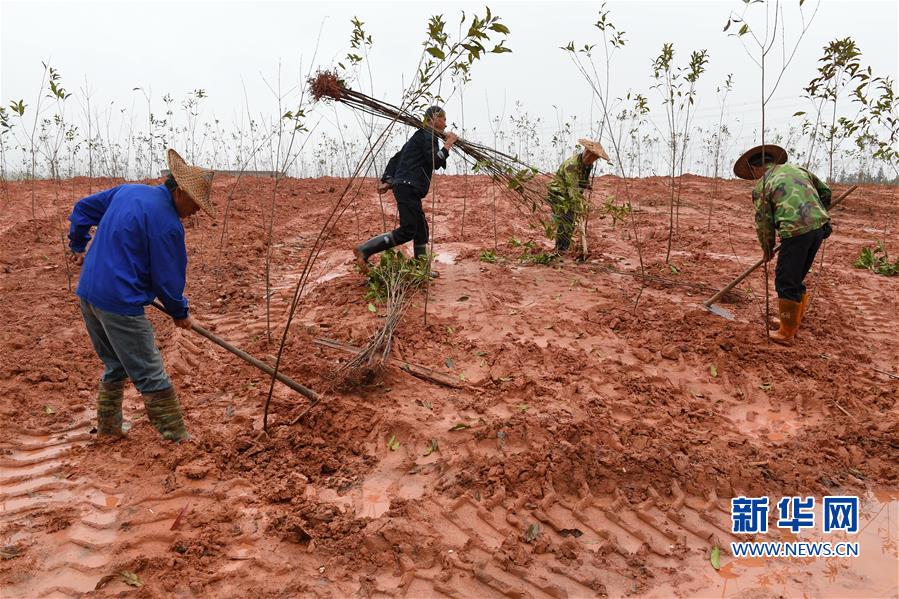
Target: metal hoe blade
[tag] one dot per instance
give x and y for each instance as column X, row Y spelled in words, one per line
column 715, row 309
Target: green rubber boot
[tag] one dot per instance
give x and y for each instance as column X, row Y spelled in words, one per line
column 109, row 408
column 164, row 412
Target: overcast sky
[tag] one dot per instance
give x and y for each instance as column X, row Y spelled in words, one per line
column 175, row 47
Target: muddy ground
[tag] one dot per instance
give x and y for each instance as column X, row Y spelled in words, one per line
column 604, row 437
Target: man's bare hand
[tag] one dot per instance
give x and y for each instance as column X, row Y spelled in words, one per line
column 383, row 187
column 184, row 323
column 449, row 140
column 77, row 258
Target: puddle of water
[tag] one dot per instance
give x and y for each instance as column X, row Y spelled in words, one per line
column 329, row 496
column 80, row 533
column 75, row 554
column 64, row 579
column 31, row 500
column 375, row 501
column 39, row 453
column 11, row 472
column 873, row 574
column 445, row 258
column 328, row 276
column 101, row 519
column 761, row 421
column 27, row 486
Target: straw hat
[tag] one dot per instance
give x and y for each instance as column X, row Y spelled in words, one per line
column 196, row 181
column 594, row 147
column 775, row 153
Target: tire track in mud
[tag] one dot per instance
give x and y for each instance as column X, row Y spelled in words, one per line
column 869, row 311
column 557, row 547
column 70, row 520
column 72, row 531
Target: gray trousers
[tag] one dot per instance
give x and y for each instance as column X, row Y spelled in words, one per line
column 127, row 346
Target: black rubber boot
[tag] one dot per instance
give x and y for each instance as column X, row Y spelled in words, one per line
column 421, row 253
column 373, row 246
column 563, row 242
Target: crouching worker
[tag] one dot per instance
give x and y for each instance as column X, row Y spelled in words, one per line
column 138, row 254
column 409, row 173
column 793, row 202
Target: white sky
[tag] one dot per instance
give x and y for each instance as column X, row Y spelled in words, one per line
column 176, row 47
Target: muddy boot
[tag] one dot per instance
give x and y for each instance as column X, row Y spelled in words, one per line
column 803, row 304
column 421, row 253
column 109, row 408
column 789, row 321
column 164, row 412
column 371, row 247
column 774, row 322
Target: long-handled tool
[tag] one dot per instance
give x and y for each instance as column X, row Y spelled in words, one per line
column 724, row 312
column 305, row 391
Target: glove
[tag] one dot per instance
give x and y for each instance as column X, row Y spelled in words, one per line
column 827, row 230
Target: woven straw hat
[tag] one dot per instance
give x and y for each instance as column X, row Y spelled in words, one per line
column 594, row 147
column 775, row 153
column 196, row 181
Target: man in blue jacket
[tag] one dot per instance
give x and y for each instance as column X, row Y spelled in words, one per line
column 409, row 174
column 138, row 254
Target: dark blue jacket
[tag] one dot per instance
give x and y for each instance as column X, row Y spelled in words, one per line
column 415, row 162
column 138, row 253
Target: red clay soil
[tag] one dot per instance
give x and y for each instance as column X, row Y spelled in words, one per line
column 608, row 418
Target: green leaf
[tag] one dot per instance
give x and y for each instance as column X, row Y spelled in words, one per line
column 713, row 370
column 499, row 49
column 432, row 447
column 743, row 30
column 436, row 53
column 131, row 579
column 715, row 558
column 800, row 113
column 392, row 443
column 459, row 426
column 532, row 532
column 372, row 308
column 726, row 27
column 499, row 27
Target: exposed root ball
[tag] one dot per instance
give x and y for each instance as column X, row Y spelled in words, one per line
column 325, row 84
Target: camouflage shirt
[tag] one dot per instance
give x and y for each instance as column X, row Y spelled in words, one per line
column 795, row 202
column 566, row 185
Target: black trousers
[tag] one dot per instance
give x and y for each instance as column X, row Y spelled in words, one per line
column 413, row 224
column 797, row 254
column 564, row 228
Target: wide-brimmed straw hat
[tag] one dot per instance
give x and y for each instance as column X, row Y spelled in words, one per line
column 196, row 181
column 594, row 147
column 773, row 153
